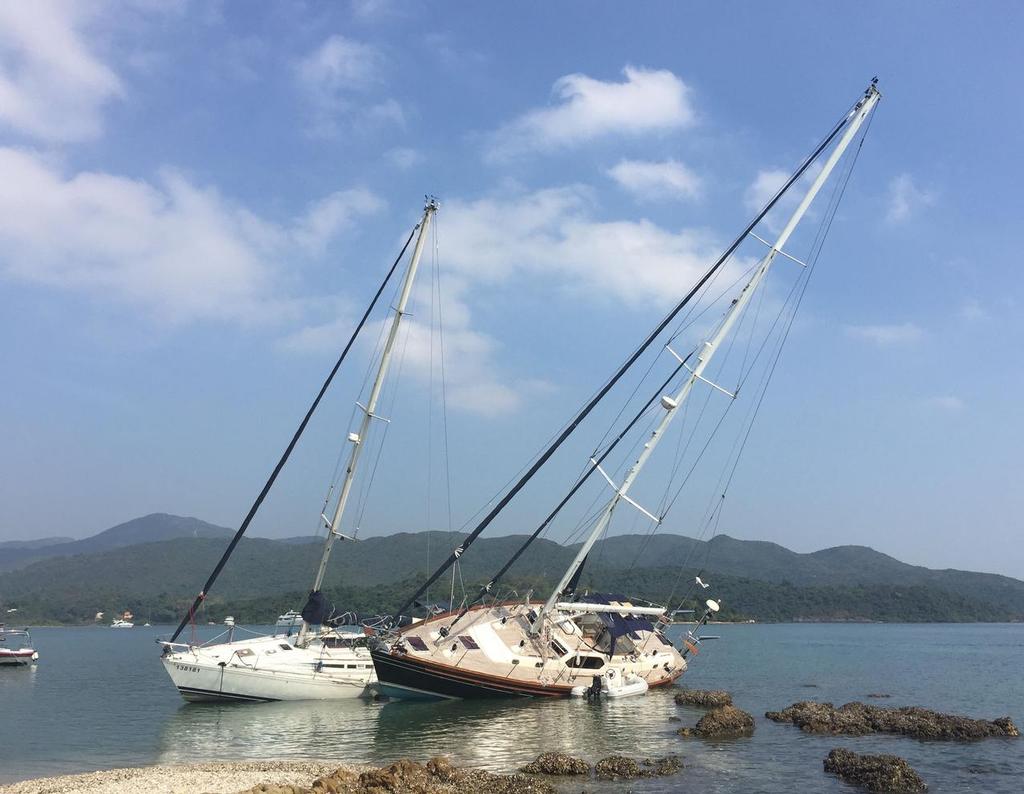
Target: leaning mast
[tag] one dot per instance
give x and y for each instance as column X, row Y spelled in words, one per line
column 706, row 352
column 357, row 438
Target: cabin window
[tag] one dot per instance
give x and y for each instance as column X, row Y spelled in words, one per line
column 469, row 642
column 587, row 662
column 416, row 643
column 557, row 649
column 285, row 647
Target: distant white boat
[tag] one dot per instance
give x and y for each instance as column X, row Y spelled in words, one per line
column 16, row 647
column 289, row 620
column 122, row 624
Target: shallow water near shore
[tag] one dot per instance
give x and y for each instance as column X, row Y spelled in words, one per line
column 99, row 698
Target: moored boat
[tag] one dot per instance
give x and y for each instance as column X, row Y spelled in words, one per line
column 319, row 662
column 555, row 648
column 16, row 647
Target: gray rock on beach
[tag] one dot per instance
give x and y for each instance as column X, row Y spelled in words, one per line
column 616, row 767
column 887, row 773
column 556, row 764
column 723, row 722
column 703, row 698
column 858, row 719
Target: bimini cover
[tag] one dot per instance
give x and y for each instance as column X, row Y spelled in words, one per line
column 616, row 624
column 319, row 611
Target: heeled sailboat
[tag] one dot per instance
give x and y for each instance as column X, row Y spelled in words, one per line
column 319, row 661
column 570, row 643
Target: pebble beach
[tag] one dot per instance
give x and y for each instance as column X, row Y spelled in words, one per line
column 212, row 778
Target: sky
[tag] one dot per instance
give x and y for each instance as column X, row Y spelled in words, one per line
column 198, row 199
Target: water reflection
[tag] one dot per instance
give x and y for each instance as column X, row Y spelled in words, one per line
column 498, row 735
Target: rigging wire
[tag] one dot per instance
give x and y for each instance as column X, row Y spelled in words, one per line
column 201, row 597
column 625, row 366
column 817, row 246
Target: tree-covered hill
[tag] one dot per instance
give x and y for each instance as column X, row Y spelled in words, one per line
column 753, row 579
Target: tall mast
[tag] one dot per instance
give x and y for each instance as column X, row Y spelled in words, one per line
column 357, row 438
column 708, row 349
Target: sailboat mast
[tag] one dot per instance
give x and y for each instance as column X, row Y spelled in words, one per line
column 707, row 351
column 368, row 410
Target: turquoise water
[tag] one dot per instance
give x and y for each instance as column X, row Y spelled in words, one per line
column 100, row 698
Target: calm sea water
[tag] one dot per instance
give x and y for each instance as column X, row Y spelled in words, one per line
column 100, row 698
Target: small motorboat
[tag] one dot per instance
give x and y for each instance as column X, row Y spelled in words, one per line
column 123, row 622
column 613, row 684
column 16, row 647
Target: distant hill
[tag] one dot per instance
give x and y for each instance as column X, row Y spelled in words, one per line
column 38, row 543
column 155, row 564
column 147, row 529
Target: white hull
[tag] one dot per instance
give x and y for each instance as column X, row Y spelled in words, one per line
column 19, row 658
column 268, row 669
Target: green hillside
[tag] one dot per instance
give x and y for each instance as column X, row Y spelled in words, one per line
column 753, row 579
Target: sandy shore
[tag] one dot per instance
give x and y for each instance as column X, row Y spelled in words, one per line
column 214, row 778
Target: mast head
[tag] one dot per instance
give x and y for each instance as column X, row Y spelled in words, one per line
column 430, row 203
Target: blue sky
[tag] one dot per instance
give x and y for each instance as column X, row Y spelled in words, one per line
column 197, row 199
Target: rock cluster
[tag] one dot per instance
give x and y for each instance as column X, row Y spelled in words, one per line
column 857, row 719
column 556, row 764
column 437, row 776
column 619, row 766
column 722, row 722
column 874, row 772
column 703, row 698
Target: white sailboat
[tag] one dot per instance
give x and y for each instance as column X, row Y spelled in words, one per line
column 606, row 644
column 321, row 662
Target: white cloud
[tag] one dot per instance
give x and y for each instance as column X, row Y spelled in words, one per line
column 325, row 218
column 973, row 311
column 473, row 381
column 551, row 234
column 175, row 250
column 340, row 65
column 651, row 181
column 52, row 85
column 337, row 78
column 887, row 335
column 647, row 101
column 403, row 157
column 906, row 199
column 947, row 402
column 763, row 188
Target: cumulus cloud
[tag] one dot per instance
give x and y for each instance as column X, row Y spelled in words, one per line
column 656, row 180
column 330, row 215
column 886, row 335
column 403, row 157
column 337, row 78
column 547, row 236
column 586, row 108
column 175, row 250
column 552, row 234
column 53, row 86
column 906, row 199
column 946, row 402
column 972, row 310
column 765, row 185
column 474, row 381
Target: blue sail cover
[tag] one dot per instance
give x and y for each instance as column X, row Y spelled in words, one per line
column 318, row 611
column 616, row 624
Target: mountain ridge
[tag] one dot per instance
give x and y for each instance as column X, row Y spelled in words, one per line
column 169, row 571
